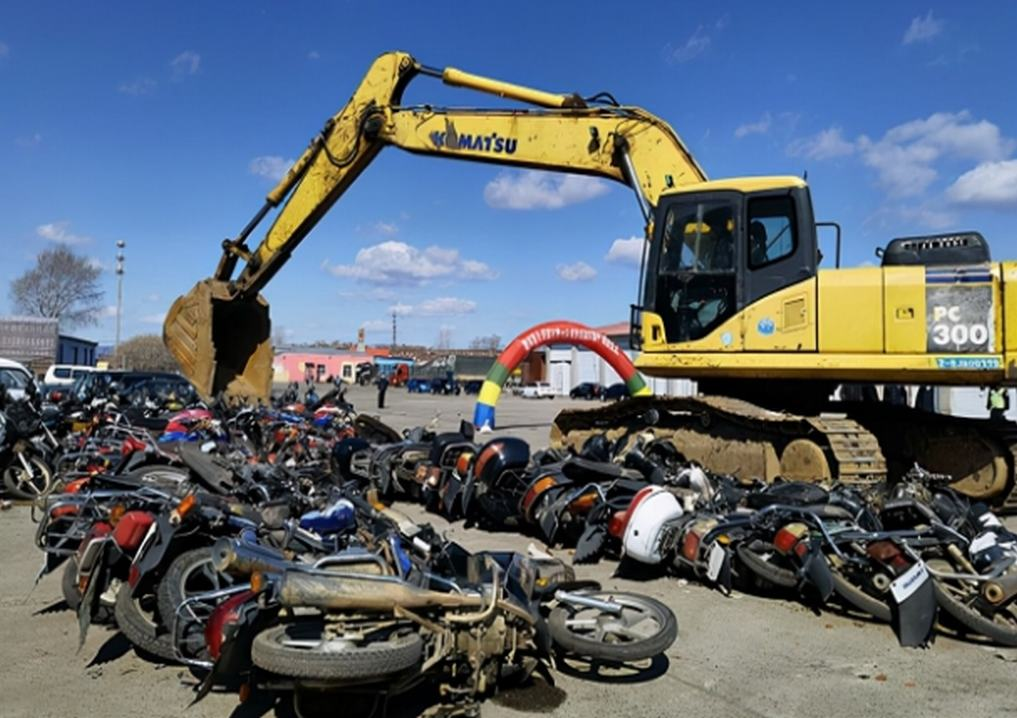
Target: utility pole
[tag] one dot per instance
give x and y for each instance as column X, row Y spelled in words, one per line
column 393, row 331
column 120, row 294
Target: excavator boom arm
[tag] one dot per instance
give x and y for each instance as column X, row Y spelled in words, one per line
column 219, row 332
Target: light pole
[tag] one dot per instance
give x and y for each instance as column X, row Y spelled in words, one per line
column 120, row 294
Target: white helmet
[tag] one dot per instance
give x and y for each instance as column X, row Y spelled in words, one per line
column 651, row 508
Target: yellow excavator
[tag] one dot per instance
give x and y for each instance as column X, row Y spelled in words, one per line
column 731, row 293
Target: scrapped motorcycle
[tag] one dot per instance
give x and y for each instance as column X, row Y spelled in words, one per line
column 25, row 444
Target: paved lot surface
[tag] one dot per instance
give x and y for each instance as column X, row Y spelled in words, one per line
column 737, row 656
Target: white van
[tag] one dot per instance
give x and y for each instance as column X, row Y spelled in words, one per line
column 65, row 374
column 14, row 378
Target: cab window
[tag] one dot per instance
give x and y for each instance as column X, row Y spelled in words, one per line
column 772, row 235
column 695, row 290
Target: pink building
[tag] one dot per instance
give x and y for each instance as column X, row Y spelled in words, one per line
column 317, row 363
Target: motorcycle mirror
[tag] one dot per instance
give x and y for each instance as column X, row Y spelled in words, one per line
column 651, row 417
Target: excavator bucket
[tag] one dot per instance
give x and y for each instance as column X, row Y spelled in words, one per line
column 222, row 343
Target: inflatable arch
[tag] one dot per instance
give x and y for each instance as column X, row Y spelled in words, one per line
column 558, row 332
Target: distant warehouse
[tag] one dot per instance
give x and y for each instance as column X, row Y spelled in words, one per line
column 37, row 342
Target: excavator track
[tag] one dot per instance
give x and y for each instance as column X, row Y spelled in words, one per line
column 855, row 443
column 736, row 437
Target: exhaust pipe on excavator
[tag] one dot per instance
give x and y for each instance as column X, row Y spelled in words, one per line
column 222, row 342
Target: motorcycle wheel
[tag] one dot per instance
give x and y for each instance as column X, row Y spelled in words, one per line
column 961, row 600
column 136, row 618
column 858, row 599
column 766, row 570
column 192, row 572
column 22, row 485
column 299, row 650
column 646, row 628
column 69, row 584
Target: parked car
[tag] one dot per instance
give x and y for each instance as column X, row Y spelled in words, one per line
column 14, row 377
column 615, row 392
column 586, row 390
column 473, row 386
column 418, row 386
column 97, row 384
column 445, row 386
column 66, row 373
column 537, row 390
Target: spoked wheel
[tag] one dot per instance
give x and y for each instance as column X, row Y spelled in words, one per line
column 964, row 602
column 31, row 483
column 190, row 574
column 642, row 629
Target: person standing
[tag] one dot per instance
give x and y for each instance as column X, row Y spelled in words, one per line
column 382, row 388
column 998, row 403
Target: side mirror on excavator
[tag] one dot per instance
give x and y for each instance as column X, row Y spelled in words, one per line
column 221, row 341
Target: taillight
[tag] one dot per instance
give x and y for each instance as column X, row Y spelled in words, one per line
column 75, row 486
column 225, row 615
column 788, row 537
column 131, row 529
column 61, row 511
column 690, row 545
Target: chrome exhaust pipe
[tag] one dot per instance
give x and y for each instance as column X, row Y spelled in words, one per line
column 242, row 557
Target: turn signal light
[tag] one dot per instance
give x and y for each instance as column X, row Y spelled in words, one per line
column 116, row 513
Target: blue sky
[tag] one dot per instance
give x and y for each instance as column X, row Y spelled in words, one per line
column 162, row 123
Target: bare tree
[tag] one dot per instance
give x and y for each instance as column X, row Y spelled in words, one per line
column 62, row 285
column 145, row 352
column 278, row 336
column 444, row 338
column 491, row 342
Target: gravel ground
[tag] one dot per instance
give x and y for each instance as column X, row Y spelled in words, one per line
column 737, row 656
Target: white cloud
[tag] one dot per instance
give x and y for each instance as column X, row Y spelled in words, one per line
column 271, row 167
column 899, row 217
column 990, row 183
column 157, row 318
column 532, row 189
column 438, row 307
column 761, row 127
column 923, row 29
column 58, row 232
column 153, row 297
column 696, row 45
column 626, row 251
column 576, row 272
column 823, row 146
column 377, row 294
column 108, row 312
column 186, row 63
column 904, row 158
column 386, row 228
column 96, row 263
column 5, row 50
column 314, row 55
column 376, row 325
column 398, row 263
column 140, row 86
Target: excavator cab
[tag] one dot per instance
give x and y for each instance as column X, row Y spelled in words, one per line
column 720, row 246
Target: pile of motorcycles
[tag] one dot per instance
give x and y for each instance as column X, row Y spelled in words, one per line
column 260, row 546
column 228, row 540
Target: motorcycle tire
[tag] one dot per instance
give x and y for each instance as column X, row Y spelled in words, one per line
column 859, row 600
column 41, row 480
column 769, row 572
column 1000, row 629
column 189, row 573
column 569, row 637
column 69, row 584
column 140, row 627
column 376, row 660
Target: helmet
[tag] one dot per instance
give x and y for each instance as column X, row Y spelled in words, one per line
column 642, row 525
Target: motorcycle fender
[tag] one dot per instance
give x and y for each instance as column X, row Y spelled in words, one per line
column 235, row 655
column 97, row 581
column 914, row 606
column 151, row 552
column 453, row 487
column 817, row 572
